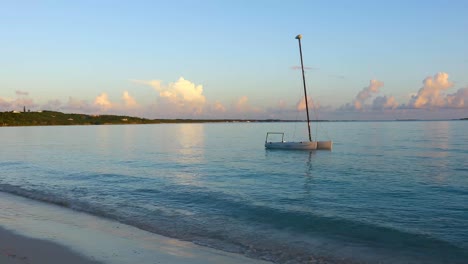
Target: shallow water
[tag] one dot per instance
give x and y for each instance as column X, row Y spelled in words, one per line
column 390, row 192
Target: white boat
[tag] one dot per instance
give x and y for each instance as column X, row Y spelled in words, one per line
column 301, row 145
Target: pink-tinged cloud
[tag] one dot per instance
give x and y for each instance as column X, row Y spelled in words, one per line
column 366, row 93
column 281, row 104
column 74, row 105
column 102, row 101
column 219, row 107
column 5, row 105
column 52, row 105
column 242, row 104
column 128, row 100
column 301, row 105
column 17, row 104
column 359, row 103
column 458, row 99
column 431, row 94
column 384, row 102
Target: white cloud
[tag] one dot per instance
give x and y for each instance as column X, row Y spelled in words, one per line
column 179, row 98
column 431, row 94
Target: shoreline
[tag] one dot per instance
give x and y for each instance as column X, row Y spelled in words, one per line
column 54, row 118
column 32, row 232
column 19, row 249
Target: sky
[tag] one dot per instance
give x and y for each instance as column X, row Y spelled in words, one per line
column 364, row 60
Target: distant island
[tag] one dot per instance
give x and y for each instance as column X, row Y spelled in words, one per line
column 54, row 118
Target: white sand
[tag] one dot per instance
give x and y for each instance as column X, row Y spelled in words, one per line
column 48, row 234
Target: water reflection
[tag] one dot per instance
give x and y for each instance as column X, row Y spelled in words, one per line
column 189, row 148
column 190, row 139
column 298, row 165
column 308, row 175
column 437, row 135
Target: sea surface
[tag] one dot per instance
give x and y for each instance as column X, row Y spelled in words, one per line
column 388, row 192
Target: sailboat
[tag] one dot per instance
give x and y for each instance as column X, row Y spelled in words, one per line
column 301, row 145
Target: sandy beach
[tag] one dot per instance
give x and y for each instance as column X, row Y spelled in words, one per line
column 33, row 232
column 17, row 249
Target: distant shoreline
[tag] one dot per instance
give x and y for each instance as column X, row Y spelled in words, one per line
column 54, row 118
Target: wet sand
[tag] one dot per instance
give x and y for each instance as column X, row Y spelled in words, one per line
column 17, row 249
column 33, row 232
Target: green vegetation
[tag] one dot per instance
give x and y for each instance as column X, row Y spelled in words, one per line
column 52, row 118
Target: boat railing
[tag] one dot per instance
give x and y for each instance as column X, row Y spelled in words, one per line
column 274, row 133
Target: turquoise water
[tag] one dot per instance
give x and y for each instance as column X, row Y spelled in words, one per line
column 389, row 192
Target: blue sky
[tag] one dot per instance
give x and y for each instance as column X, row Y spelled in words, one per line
column 236, row 59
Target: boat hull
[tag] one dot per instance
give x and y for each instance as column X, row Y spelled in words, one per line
column 326, row 145
column 306, row 145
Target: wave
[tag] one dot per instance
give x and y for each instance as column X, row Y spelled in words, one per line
column 264, row 232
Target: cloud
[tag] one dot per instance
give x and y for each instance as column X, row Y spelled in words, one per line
column 458, row 99
column 218, row 107
column 384, row 102
column 305, row 68
column 281, row 104
column 301, row 105
column 21, row 93
column 185, row 99
column 364, row 95
column 180, row 90
column 5, row 105
column 102, row 101
column 156, row 84
column 431, row 94
column 101, row 104
column 183, row 91
column 17, row 104
column 128, row 100
column 77, row 106
column 53, row 105
column 242, row 104
column 179, row 98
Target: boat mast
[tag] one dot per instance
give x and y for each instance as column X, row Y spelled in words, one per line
column 298, row 37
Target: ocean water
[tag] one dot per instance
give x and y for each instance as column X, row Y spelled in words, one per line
column 389, row 192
